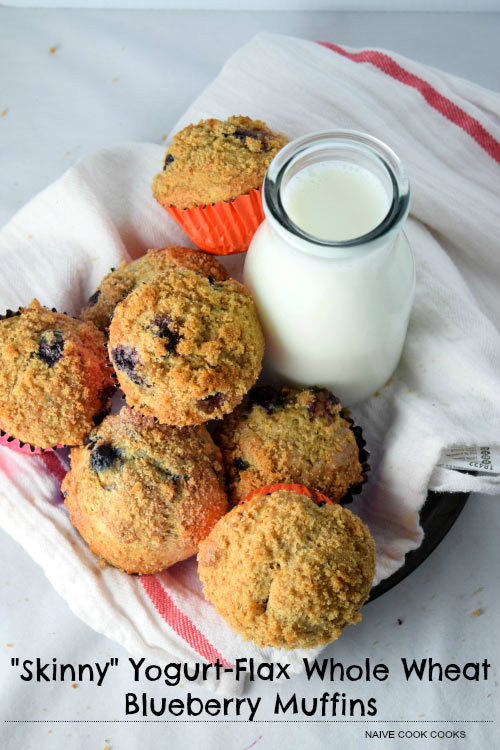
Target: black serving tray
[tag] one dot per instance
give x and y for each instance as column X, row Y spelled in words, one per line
column 440, row 511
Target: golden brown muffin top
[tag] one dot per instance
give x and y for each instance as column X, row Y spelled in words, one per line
column 142, row 494
column 54, row 382
column 289, row 435
column 286, row 572
column 121, row 281
column 186, row 348
column 215, row 161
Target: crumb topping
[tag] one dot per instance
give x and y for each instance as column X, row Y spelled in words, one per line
column 215, row 161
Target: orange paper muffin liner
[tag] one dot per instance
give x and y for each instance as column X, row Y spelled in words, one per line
column 222, row 228
column 301, row 489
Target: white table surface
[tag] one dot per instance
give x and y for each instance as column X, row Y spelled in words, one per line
column 128, row 75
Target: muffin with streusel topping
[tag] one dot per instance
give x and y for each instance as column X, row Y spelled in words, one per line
column 143, row 495
column 121, row 281
column 211, row 178
column 291, row 435
column 186, row 348
column 54, row 382
column 286, row 572
column 215, row 161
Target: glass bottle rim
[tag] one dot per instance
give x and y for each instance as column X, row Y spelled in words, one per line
column 365, row 143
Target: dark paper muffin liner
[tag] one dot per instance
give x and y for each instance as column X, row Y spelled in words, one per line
column 364, row 455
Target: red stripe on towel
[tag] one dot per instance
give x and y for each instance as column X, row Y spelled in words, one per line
column 180, row 622
column 53, row 464
column 437, row 101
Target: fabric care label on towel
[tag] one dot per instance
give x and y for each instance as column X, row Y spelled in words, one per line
column 481, row 459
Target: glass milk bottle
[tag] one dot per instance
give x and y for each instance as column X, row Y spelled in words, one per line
column 331, row 272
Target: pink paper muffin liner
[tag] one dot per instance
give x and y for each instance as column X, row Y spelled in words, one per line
column 19, row 447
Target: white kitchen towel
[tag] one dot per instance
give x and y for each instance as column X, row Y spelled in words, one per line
column 445, row 392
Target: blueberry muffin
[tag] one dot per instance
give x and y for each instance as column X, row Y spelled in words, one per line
column 143, row 495
column 186, row 348
column 121, row 281
column 54, row 382
column 290, row 435
column 215, row 161
column 288, row 573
